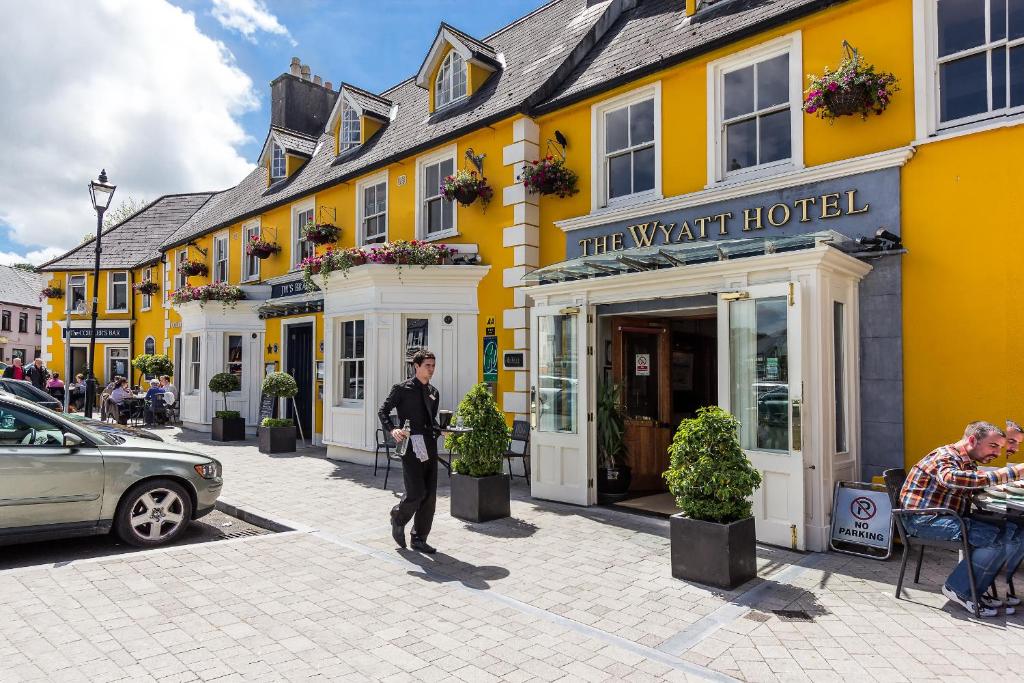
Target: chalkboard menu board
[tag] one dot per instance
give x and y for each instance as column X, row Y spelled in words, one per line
column 267, row 406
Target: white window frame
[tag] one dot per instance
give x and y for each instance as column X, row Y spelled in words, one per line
column 195, row 364
column 792, row 44
column 599, row 162
column 437, row 156
column 339, row 365
column 248, row 272
column 278, row 161
column 241, row 362
column 110, row 291
column 445, row 71
column 109, row 356
column 70, row 285
column 147, row 299
column 349, row 127
column 149, row 339
column 180, row 280
column 361, row 216
column 926, row 83
column 223, row 246
column 297, row 210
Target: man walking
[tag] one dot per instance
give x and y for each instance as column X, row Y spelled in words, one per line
column 416, row 402
column 15, row 370
column 37, row 374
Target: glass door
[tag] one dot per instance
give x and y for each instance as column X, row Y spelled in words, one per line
column 760, row 383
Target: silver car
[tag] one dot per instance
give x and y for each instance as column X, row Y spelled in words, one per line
column 60, row 478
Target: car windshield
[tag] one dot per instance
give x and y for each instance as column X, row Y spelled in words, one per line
column 86, row 425
column 27, row 391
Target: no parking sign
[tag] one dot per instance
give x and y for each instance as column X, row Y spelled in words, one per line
column 861, row 520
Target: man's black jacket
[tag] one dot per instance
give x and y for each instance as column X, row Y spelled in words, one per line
column 416, row 402
column 37, row 376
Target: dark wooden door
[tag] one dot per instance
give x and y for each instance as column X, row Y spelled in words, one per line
column 300, row 366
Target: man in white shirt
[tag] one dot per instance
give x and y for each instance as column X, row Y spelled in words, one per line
column 169, row 391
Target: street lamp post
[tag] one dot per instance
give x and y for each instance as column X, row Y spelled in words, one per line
column 101, row 193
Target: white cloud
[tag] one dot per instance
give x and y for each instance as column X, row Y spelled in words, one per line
column 247, row 17
column 131, row 86
column 9, row 258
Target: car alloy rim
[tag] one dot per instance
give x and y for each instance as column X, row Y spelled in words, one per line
column 156, row 514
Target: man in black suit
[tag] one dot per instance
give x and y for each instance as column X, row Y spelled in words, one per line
column 416, row 401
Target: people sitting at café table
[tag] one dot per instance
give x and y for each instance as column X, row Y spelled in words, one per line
column 169, row 391
column 946, row 478
column 76, row 392
column 155, row 407
column 55, row 386
column 119, row 400
column 15, row 370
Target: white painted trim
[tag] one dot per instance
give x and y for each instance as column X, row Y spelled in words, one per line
column 449, row 151
column 254, row 223
column 67, row 290
column 110, row 291
column 837, row 169
column 791, row 44
column 924, row 103
column 217, row 237
column 996, row 123
column 362, row 184
column 336, row 401
column 308, row 204
column 179, row 279
column 435, row 53
column 598, row 189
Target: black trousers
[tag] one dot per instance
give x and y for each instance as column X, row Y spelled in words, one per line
column 420, row 497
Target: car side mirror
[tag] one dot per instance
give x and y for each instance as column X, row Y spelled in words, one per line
column 72, row 440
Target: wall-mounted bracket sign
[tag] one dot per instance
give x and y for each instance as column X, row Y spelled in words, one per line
column 514, row 360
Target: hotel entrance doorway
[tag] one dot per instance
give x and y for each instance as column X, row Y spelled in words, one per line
column 666, row 367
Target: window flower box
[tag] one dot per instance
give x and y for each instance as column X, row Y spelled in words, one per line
column 218, row 291
column 466, row 187
column 260, row 248
column 321, row 233
column 329, row 262
column 189, row 268
column 549, row 176
column 146, row 287
column 853, row 88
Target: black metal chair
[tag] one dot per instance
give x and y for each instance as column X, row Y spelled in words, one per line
column 519, row 447
column 894, row 479
column 387, row 442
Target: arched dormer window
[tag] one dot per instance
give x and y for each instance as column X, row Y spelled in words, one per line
column 350, row 133
column 278, row 168
column 451, row 80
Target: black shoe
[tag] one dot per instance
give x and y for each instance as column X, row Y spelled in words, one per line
column 398, row 532
column 421, row 546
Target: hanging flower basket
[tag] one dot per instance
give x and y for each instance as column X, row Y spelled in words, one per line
column 853, row 88
column 466, row 187
column 261, row 249
column 52, row 292
column 218, row 291
column 549, row 176
column 328, row 262
column 321, row 233
column 146, row 287
column 190, row 268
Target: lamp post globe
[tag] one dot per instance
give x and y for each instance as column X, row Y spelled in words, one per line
column 101, row 192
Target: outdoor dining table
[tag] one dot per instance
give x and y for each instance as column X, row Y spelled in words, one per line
column 1003, row 500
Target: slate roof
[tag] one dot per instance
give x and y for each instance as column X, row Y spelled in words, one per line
column 657, row 34
column 135, row 240
column 480, row 50
column 537, row 48
column 20, row 287
column 375, row 105
column 293, row 141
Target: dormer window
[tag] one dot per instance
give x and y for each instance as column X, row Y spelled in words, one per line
column 451, row 80
column 277, row 163
column 350, row 133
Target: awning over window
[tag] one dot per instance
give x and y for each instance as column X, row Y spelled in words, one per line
column 683, row 254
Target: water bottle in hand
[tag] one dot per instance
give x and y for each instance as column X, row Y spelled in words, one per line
column 403, row 445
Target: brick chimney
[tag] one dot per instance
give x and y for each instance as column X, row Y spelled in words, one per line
column 298, row 102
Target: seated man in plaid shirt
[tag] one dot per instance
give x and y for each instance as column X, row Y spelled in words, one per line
column 946, row 478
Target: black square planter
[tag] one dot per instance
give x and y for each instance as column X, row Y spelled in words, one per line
column 480, row 499
column 228, row 429
column 722, row 555
column 277, row 439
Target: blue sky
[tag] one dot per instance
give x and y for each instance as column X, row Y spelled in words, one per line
column 173, row 95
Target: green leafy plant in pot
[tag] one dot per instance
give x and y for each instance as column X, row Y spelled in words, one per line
column 228, row 425
column 480, row 490
column 153, row 365
column 278, row 435
column 613, row 475
column 712, row 480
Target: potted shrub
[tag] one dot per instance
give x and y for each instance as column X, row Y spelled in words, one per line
column 466, row 187
column 278, row 435
column 261, row 248
column 189, row 268
column 712, row 481
column 228, row 425
column 52, row 292
column 480, row 490
column 321, row 233
column 549, row 176
column 153, row 365
column 853, row 88
column 149, row 287
column 614, row 475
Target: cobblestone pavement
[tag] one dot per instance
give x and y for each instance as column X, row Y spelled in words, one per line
column 554, row 593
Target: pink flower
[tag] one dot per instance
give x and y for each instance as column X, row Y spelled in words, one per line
column 833, row 86
column 811, row 110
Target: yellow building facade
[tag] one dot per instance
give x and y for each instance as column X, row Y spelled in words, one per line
column 724, row 247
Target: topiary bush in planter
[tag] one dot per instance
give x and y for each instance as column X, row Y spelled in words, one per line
column 712, row 480
column 153, row 365
column 480, row 491
column 228, row 425
column 613, row 474
column 278, row 435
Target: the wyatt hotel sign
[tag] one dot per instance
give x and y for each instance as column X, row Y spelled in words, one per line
column 855, row 206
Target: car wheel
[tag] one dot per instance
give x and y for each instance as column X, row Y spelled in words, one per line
column 153, row 513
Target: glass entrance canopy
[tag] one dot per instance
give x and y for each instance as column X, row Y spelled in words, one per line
column 688, row 253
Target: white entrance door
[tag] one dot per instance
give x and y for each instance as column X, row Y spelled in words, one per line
column 760, row 383
column 559, row 459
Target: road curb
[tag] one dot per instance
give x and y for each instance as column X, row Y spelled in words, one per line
column 260, row 518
